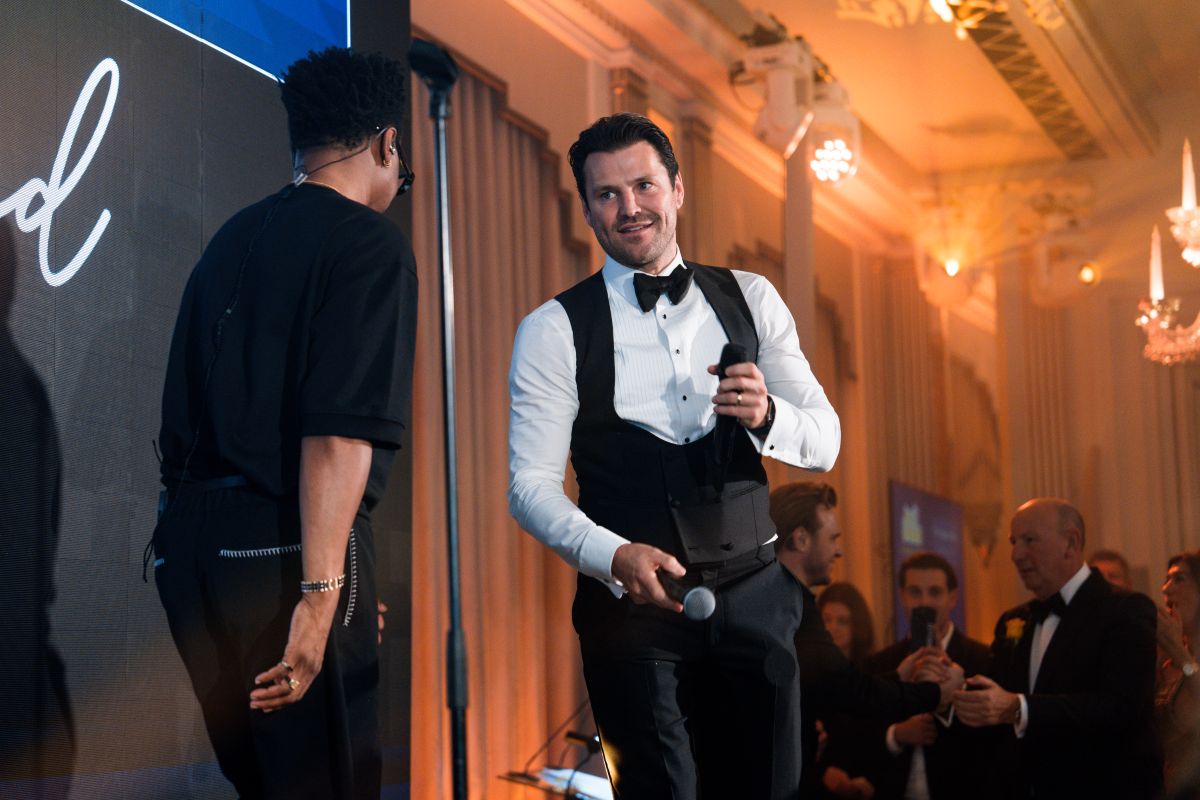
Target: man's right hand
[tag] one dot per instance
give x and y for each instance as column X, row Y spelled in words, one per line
column 920, row 730
column 1170, row 637
column 910, row 663
column 637, row 566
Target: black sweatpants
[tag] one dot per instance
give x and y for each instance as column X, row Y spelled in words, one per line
column 228, row 573
column 697, row 710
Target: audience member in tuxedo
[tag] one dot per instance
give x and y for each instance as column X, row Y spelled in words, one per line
column 808, row 545
column 930, row 757
column 1177, row 707
column 1113, row 566
column 1073, row 671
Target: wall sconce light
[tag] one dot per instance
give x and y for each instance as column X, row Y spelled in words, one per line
column 952, row 267
column 1089, row 274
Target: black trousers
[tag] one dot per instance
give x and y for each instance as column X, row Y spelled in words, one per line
column 697, row 710
column 228, row 573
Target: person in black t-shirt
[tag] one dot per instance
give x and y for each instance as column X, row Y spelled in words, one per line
column 287, row 388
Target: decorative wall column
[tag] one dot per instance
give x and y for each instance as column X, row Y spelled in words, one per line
column 629, row 91
column 800, row 289
column 697, row 219
column 1035, row 428
column 894, row 426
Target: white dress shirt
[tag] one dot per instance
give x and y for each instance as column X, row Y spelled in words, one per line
column 661, row 360
column 1042, row 634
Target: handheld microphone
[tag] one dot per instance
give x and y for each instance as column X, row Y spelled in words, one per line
column 699, row 602
column 732, row 353
column 726, row 429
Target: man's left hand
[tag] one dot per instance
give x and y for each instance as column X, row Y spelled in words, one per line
column 288, row 681
column 985, row 702
column 742, row 394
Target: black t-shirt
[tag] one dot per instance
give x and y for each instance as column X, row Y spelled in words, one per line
column 319, row 342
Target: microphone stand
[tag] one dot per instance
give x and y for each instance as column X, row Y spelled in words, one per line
column 437, row 69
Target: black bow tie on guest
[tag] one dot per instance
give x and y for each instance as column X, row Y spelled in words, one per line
column 1044, row 608
column 648, row 288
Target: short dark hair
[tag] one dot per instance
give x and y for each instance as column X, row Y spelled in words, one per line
column 340, row 97
column 862, row 635
column 1189, row 560
column 928, row 560
column 1115, row 557
column 795, row 506
column 615, row 132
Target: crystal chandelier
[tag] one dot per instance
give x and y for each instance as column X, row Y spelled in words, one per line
column 1166, row 342
column 1185, row 218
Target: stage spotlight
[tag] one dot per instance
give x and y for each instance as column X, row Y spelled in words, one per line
column 835, row 133
column 786, row 69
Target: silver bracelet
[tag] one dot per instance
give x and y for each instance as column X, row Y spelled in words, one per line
column 327, row 585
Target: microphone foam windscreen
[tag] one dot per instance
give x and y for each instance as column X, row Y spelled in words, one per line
column 699, row 604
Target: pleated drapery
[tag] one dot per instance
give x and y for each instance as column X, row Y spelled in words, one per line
column 510, row 254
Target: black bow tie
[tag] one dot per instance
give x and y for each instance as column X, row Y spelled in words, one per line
column 648, row 288
column 1040, row 609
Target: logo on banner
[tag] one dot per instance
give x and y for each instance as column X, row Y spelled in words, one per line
column 911, row 532
column 54, row 190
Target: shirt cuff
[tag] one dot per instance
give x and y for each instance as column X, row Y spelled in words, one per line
column 596, row 556
column 889, row 739
column 796, row 439
column 766, row 444
column 1022, row 723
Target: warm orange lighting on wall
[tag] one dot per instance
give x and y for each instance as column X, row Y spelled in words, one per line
column 1088, row 274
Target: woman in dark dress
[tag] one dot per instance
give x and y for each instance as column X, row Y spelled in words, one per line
column 841, row 760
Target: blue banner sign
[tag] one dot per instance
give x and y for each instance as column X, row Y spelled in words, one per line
column 265, row 35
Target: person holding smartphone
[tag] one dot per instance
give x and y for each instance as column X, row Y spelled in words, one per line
column 930, row 756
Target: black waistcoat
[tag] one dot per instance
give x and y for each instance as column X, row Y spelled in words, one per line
column 641, row 487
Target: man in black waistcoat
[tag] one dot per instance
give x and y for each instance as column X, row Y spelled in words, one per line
column 1074, row 672
column 620, row 371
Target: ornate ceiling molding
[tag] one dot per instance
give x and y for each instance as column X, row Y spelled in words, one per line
column 1010, row 54
column 1090, row 79
column 1067, row 82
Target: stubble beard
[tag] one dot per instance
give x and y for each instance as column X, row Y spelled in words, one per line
column 652, row 251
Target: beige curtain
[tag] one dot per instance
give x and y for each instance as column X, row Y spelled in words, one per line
column 510, row 255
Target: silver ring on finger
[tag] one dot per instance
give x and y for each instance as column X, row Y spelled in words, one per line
column 293, row 684
column 738, row 401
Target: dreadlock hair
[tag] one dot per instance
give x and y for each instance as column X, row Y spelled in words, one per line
column 616, row 132
column 341, row 97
